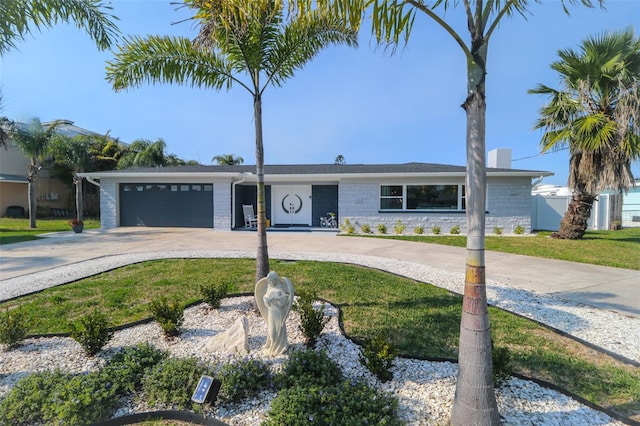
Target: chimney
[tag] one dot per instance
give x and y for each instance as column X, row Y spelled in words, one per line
column 499, row 158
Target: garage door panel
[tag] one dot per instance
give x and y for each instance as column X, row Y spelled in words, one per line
column 169, row 205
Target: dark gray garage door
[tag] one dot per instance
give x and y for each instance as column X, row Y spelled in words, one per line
column 166, row 204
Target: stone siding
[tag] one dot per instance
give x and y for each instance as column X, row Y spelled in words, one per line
column 508, row 206
column 108, row 204
column 222, row 206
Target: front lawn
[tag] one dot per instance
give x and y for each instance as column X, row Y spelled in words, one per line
column 620, row 249
column 423, row 319
column 17, row 230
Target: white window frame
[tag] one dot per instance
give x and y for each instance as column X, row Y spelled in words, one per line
column 459, row 207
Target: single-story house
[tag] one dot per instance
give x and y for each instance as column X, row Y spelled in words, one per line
column 417, row 194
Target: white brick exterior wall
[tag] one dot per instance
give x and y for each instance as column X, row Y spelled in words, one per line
column 508, row 206
column 108, row 204
column 222, row 206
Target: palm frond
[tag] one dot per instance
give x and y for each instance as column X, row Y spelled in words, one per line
column 596, row 111
column 163, row 59
column 595, row 132
column 22, row 17
column 300, row 42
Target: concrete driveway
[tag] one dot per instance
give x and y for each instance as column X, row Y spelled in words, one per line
column 602, row 287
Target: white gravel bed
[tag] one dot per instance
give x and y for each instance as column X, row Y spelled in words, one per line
column 425, row 389
column 606, row 329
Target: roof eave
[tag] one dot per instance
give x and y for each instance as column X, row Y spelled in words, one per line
column 98, row 175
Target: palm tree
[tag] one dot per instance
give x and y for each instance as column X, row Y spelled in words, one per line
column 33, row 140
column 392, row 22
column 5, row 128
column 228, row 159
column 21, row 17
column 596, row 115
column 246, row 43
column 143, row 153
column 75, row 153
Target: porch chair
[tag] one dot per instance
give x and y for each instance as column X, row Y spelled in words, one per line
column 250, row 219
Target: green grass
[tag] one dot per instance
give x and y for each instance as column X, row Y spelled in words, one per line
column 424, row 319
column 620, row 249
column 17, row 230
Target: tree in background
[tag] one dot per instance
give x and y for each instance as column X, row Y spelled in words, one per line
column 20, row 17
column 144, row 153
column 596, row 114
column 105, row 152
column 228, row 160
column 392, row 21
column 5, row 127
column 75, row 153
column 247, row 43
column 340, row 160
column 33, row 139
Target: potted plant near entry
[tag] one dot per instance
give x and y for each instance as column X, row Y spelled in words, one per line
column 76, row 225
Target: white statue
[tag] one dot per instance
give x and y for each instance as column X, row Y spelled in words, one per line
column 274, row 297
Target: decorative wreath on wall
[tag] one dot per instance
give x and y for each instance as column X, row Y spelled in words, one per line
column 286, row 210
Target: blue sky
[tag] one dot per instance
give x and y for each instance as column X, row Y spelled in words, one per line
column 365, row 104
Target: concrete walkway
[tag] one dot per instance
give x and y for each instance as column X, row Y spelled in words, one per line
column 606, row 288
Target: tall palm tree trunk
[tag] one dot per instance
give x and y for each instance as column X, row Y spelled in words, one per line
column 575, row 221
column 32, row 176
column 475, row 401
column 262, row 257
column 78, row 184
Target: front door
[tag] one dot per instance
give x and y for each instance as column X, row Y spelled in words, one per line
column 291, row 205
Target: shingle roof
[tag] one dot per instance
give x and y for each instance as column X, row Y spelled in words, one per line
column 320, row 169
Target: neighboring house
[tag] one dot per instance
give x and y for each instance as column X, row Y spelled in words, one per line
column 298, row 195
column 51, row 192
column 550, row 202
column 631, row 206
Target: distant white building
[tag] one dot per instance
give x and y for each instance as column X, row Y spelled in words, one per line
column 551, row 190
column 550, row 202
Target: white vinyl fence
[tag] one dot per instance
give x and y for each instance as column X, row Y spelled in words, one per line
column 547, row 212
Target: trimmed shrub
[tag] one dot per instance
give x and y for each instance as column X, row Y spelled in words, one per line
column 347, row 403
column 92, row 332
column 497, row 230
column 435, row 230
column 501, row 358
column 312, row 321
column 455, row 230
column 382, row 228
column 377, row 354
column 127, row 367
column 309, row 368
column 243, row 378
column 28, row 400
column 519, row 230
column 14, row 327
column 418, row 230
column 172, row 381
column 398, row 228
column 366, row 229
column 213, row 293
column 58, row 398
column 347, row 227
column 168, row 314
